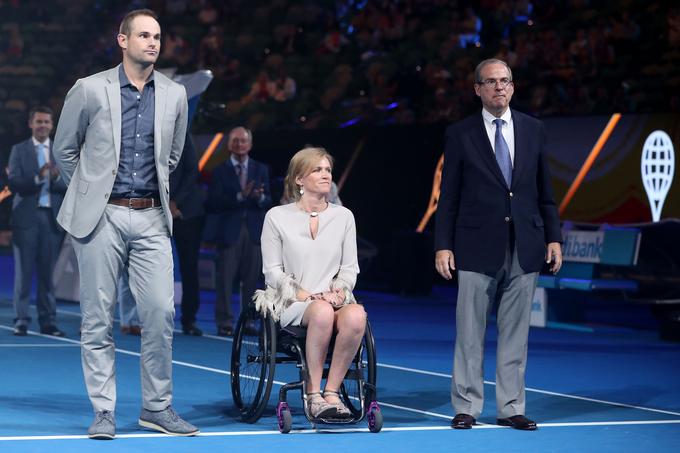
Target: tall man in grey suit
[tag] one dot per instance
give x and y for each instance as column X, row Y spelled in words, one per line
column 36, row 238
column 120, row 134
column 497, row 216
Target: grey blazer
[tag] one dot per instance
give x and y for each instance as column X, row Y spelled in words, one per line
column 87, row 145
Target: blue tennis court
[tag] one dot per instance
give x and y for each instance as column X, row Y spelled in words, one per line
column 596, row 388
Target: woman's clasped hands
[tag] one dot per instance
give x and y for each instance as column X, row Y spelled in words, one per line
column 335, row 297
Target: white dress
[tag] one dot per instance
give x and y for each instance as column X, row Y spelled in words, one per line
column 292, row 260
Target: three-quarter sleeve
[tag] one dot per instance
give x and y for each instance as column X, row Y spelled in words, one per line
column 349, row 264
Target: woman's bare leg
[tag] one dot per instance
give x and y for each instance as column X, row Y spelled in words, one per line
column 350, row 324
column 319, row 317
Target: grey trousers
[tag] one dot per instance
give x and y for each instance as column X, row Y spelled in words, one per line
column 244, row 258
column 36, row 248
column 137, row 239
column 513, row 289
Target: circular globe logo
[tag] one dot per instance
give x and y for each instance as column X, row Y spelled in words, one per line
column 657, row 169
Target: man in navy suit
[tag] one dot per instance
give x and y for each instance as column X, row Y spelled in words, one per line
column 36, row 237
column 238, row 198
column 186, row 205
column 496, row 223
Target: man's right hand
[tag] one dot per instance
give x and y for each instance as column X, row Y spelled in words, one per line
column 245, row 193
column 44, row 171
column 445, row 263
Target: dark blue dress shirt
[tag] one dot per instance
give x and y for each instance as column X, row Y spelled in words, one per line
column 136, row 177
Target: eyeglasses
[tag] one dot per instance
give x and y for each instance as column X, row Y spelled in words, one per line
column 491, row 83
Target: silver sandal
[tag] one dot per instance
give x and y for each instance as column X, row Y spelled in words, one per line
column 342, row 410
column 318, row 407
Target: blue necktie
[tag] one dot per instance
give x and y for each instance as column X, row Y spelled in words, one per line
column 44, row 199
column 503, row 153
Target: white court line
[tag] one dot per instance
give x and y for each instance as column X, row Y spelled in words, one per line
column 346, row 430
column 448, row 376
column 38, row 345
column 224, row 372
column 544, row 392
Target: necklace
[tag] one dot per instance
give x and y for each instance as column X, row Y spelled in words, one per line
column 312, row 213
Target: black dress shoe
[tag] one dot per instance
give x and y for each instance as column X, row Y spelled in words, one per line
column 463, row 421
column 20, row 331
column 518, row 422
column 225, row 331
column 131, row 330
column 191, row 329
column 52, row 330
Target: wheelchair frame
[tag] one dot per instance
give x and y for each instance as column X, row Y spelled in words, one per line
column 260, row 344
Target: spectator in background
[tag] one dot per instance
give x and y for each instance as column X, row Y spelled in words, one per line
column 238, row 198
column 38, row 189
column 261, row 90
column 208, row 14
column 176, row 50
column 211, row 54
column 673, row 23
column 283, row 87
column 186, row 206
column 332, row 42
column 15, row 42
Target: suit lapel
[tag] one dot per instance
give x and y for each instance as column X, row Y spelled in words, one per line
column 160, row 97
column 521, row 148
column 31, row 157
column 481, row 140
column 113, row 94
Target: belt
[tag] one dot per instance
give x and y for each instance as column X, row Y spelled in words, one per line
column 136, row 203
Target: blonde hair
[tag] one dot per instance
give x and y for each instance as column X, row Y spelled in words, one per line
column 302, row 164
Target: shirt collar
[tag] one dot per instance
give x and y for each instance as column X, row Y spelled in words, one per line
column 489, row 118
column 124, row 81
column 236, row 162
column 36, row 142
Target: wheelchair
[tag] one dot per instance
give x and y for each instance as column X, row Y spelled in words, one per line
column 260, row 344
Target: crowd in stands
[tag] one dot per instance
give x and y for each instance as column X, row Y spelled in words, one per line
column 331, row 63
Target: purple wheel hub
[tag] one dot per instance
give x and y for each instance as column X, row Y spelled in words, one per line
column 282, row 406
column 370, row 416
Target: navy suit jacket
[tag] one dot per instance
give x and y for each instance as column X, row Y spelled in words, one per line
column 476, row 208
column 226, row 213
column 23, row 168
column 184, row 189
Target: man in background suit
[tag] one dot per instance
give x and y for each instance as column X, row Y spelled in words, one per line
column 239, row 195
column 38, row 193
column 120, row 134
column 186, row 205
column 496, row 223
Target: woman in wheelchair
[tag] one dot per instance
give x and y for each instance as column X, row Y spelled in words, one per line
column 310, row 264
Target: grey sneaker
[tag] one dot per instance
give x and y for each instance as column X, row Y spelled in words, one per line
column 167, row 421
column 103, row 427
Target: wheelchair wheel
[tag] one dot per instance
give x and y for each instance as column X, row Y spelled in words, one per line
column 285, row 418
column 375, row 418
column 253, row 359
column 362, row 370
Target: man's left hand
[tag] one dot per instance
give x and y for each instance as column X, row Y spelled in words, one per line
column 174, row 210
column 554, row 254
column 54, row 172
